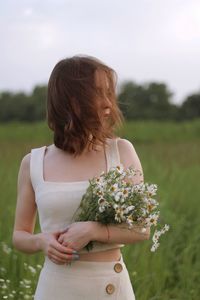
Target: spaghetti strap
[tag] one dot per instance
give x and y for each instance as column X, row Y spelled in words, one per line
column 36, row 165
column 113, row 157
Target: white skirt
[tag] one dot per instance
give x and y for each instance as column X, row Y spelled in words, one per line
column 84, row 280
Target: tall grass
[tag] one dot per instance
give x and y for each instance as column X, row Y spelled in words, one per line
column 169, row 153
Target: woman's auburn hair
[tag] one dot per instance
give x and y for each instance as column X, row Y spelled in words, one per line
column 74, row 104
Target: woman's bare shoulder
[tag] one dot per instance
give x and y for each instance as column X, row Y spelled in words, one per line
column 25, row 161
column 128, row 154
column 126, row 149
column 24, row 169
column 124, row 143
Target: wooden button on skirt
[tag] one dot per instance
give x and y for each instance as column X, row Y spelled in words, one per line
column 118, row 267
column 110, row 288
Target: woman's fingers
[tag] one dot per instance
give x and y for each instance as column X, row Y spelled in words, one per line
column 60, row 255
column 62, row 252
column 60, row 239
column 56, row 259
column 61, row 248
column 61, row 258
column 64, row 230
column 59, row 232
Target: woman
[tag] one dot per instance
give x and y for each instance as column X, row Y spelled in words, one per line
column 82, row 112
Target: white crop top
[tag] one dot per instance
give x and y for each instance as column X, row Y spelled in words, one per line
column 57, row 201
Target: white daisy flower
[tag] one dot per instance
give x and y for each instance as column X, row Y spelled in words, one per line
column 102, row 201
column 102, row 204
column 152, row 220
column 166, row 227
column 151, row 204
column 118, row 195
column 156, row 236
column 114, row 187
column 143, row 211
column 119, row 214
column 152, row 189
column 139, row 188
column 101, row 209
column 131, row 171
column 115, row 205
column 154, row 247
column 129, row 208
column 125, row 192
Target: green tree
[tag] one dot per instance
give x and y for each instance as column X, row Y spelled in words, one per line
column 190, row 108
column 15, row 107
column 38, row 100
column 150, row 101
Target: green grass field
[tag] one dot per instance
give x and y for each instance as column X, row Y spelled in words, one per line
column 169, row 153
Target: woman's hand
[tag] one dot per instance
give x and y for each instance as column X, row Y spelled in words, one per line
column 56, row 252
column 77, row 235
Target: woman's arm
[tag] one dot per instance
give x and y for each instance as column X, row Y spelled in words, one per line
column 24, row 238
column 118, row 234
column 25, row 215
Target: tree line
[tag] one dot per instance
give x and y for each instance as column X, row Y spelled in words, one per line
column 148, row 101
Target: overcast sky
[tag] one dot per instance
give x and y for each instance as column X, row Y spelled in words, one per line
column 142, row 40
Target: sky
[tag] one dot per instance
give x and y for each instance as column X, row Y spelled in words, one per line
column 143, row 40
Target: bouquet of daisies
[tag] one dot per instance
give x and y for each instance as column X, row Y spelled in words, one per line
column 111, row 199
